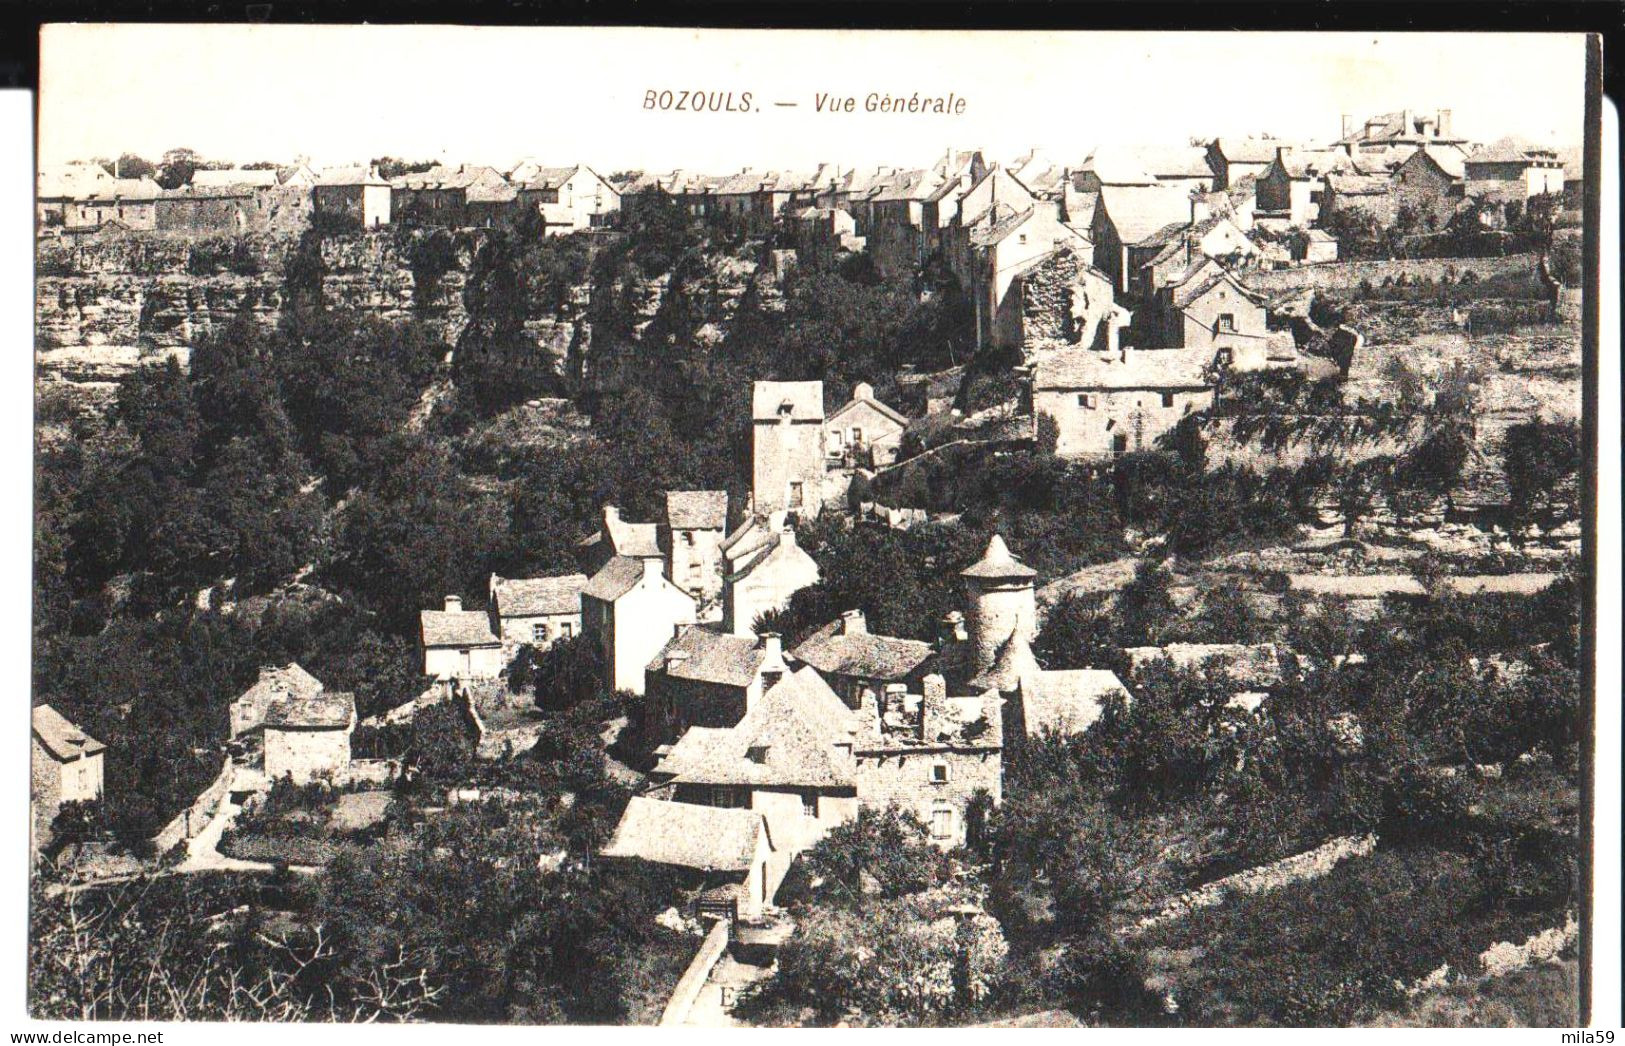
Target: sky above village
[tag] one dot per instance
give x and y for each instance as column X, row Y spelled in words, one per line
column 496, row 95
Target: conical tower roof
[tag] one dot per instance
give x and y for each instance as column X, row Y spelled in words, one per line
column 998, row 563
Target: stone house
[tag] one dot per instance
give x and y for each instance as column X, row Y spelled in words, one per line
column 617, row 537
column 309, row 738
column 824, row 234
column 274, row 683
column 863, row 432
column 630, row 609
column 459, row 644
column 210, row 208
column 1001, row 602
column 1291, row 190
column 1233, row 159
column 539, row 611
column 1179, row 167
column 1004, row 248
column 1513, row 170
column 787, row 447
column 763, row 567
column 1184, row 245
column 696, row 523
column 65, row 765
column 80, row 200
column 351, row 198
column 454, row 196
column 1057, row 300
column 1039, row 701
column 1315, row 246
column 730, row 853
column 993, row 199
column 1431, row 183
column 1105, row 404
column 893, row 222
column 708, row 678
column 567, row 198
column 1209, row 308
column 856, row 662
column 1352, row 191
column 1400, row 133
column 1124, row 223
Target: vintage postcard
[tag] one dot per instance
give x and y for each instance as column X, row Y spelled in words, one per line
column 634, row 526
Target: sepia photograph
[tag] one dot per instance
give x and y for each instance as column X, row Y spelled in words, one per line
column 814, row 528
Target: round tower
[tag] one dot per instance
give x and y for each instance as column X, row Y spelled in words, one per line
column 999, row 596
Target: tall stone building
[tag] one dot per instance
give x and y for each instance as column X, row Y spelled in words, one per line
column 999, row 594
column 787, row 446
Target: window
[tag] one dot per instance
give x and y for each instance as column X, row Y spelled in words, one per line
column 809, row 804
column 942, row 823
column 837, row 440
column 1227, row 322
column 795, row 495
column 566, row 629
column 538, row 632
column 939, row 773
column 756, row 753
column 726, row 796
column 857, row 436
column 1167, row 399
column 1087, row 400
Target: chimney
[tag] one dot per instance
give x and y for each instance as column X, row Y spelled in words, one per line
column 892, row 699
column 773, row 667
column 1407, row 122
column 1444, row 128
column 934, row 717
column 1348, row 126
column 853, row 623
column 653, row 569
column 611, row 515
column 953, row 629
column 454, row 604
column 863, row 391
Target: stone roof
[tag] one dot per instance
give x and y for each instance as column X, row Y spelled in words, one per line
column 637, row 540
column 858, row 398
column 351, row 175
column 793, row 735
column 711, row 657
column 1151, row 369
column 1201, row 279
column 1081, row 208
column 697, row 509
column 906, row 185
column 120, row 189
column 1246, row 150
column 834, row 652
column 1348, row 183
column 328, row 710
column 260, row 179
column 997, row 562
column 459, row 628
column 1313, row 163
column 805, row 398
column 549, row 177
column 1067, row 701
column 61, row 737
column 538, row 596
column 1447, row 158
column 1256, row 666
column 615, row 579
column 289, row 680
column 1512, row 149
column 1013, row 666
column 1138, row 211
column 446, row 176
column 988, row 233
column 707, row 838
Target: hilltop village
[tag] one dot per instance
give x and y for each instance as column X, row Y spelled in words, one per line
column 1027, row 590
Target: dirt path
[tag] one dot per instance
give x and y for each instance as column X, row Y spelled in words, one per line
column 713, row 1007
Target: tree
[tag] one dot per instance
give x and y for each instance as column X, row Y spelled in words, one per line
column 176, row 168
column 132, row 166
column 884, row 852
column 1078, row 632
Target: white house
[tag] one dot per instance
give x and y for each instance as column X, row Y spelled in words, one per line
column 309, row 738
column 631, row 609
column 65, row 766
column 459, row 644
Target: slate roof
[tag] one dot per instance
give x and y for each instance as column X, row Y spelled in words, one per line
column 1314, row 163
column 697, row 509
column 109, row 189
column 615, row 579
column 1137, row 211
column 1003, row 224
column 459, row 628
column 1257, row 666
column 637, row 540
column 289, row 680
column 1247, row 150
column 713, row 657
column 1151, row 369
column 61, row 737
column 1512, row 150
column 351, row 175
column 538, row 596
column 1352, row 184
column 1204, row 278
column 883, row 408
column 997, row 562
column 1013, row 665
column 1450, row 160
column 707, row 838
column 1081, row 208
column 262, row 179
column 863, row 654
column 1067, row 701
column 328, row 710
column 549, row 177
column 796, row 726
column 905, row 185
column 806, row 399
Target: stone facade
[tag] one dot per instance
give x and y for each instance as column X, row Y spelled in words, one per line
column 787, row 447
column 933, row 783
column 632, row 625
column 765, row 581
column 305, row 754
